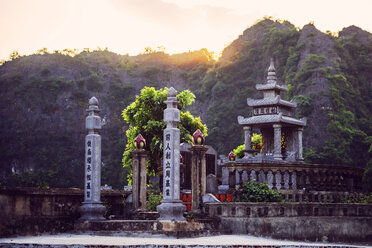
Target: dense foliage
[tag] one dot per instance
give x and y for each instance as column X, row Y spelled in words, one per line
column 256, row 192
column 256, row 143
column 153, row 201
column 145, row 116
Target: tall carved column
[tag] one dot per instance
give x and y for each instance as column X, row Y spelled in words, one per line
column 139, row 177
column 92, row 208
column 247, row 140
column 171, row 207
column 277, row 141
column 300, row 158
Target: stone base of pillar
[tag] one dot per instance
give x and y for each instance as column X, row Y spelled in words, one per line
column 171, row 210
column 278, row 157
column 91, row 211
column 300, row 160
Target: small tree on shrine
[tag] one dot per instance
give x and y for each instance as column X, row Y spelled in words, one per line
column 145, row 117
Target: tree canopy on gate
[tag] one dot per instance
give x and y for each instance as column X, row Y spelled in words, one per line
column 145, row 117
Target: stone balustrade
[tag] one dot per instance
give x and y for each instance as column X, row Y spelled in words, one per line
column 294, row 176
column 275, row 209
column 32, row 210
column 336, row 222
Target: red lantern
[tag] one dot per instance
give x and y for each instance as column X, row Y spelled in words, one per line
column 232, row 156
column 198, row 138
column 139, row 142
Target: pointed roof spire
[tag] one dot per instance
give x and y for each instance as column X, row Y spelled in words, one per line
column 271, row 75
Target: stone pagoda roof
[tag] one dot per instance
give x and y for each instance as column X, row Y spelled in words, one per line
column 271, row 109
column 271, row 86
column 270, row 101
column 270, row 119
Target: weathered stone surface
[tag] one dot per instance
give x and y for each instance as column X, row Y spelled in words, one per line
column 198, row 176
column 212, row 184
column 209, row 198
column 28, row 211
column 139, row 179
column 171, row 207
column 92, row 207
column 330, row 229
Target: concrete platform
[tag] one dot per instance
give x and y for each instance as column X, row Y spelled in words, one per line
column 82, row 241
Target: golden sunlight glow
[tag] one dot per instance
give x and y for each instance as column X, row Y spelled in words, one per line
column 127, row 26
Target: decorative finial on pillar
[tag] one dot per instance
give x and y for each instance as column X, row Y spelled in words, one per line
column 271, row 75
column 171, row 92
column 231, row 156
column 139, row 142
column 198, row 138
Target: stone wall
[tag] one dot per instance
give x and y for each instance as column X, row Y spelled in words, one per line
column 34, row 210
column 297, row 221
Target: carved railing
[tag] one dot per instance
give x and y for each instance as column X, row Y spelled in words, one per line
column 294, row 176
column 276, row 209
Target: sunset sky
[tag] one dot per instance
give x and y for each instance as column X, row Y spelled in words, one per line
column 128, row 26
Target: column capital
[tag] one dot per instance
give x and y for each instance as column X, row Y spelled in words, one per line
column 247, row 128
column 140, row 152
column 277, row 126
column 198, row 149
column 300, row 129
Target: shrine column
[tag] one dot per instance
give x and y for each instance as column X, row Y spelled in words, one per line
column 277, row 141
column 299, row 131
column 198, row 171
column 92, row 208
column 139, row 177
column 171, row 207
column 247, row 140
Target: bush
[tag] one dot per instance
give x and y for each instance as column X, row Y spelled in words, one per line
column 256, row 192
column 153, row 201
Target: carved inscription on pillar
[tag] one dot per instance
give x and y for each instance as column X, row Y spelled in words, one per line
column 168, row 164
column 93, row 154
column 171, row 207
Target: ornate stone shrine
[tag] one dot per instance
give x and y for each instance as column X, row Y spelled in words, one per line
column 275, row 119
column 280, row 163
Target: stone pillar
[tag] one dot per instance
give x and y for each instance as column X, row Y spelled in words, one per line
column 300, row 158
column 247, row 140
column 92, row 208
column 139, row 178
column 171, row 207
column 277, row 142
column 198, row 176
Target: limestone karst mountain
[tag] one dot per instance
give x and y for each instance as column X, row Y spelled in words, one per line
column 43, row 98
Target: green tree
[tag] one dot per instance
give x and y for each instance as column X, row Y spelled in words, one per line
column 145, row 116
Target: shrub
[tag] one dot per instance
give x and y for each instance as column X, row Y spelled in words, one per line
column 153, row 201
column 256, row 192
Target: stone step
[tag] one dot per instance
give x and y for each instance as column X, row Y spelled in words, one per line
column 206, row 227
column 160, row 233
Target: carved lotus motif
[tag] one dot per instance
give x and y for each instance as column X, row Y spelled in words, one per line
column 198, row 138
column 139, row 142
column 231, row 156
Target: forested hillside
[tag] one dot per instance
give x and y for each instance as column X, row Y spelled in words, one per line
column 43, row 99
